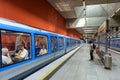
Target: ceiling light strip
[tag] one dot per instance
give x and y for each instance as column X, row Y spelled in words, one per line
column 84, row 8
column 117, row 10
column 115, row 13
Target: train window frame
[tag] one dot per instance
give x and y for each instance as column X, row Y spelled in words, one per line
column 14, row 31
column 56, row 43
column 47, row 44
column 59, row 46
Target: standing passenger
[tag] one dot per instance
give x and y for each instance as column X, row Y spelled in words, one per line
column 25, row 42
column 18, row 41
column 91, row 51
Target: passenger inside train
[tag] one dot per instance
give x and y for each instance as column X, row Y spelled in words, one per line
column 40, row 45
column 21, row 55
column 42, row 51
column 15, row 47
column 61, row 42
column 6, row 59
column 54, row 44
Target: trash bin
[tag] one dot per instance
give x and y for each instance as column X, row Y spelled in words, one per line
column 108, row 61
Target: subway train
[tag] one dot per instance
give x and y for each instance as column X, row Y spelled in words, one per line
column 24, row 47
column 113, row 43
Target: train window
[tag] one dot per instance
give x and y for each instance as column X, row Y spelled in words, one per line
column 54, row 44
column 16, row 47
column 68, row 42
column 71, row 42
column 110, row 42
column 41, row 45
column 117, row 43
column 113, row 43
column 61, row 43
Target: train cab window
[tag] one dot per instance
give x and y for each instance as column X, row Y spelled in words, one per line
column 61, row 43
column 54, row 44
column 16, row 47
column 41, row 45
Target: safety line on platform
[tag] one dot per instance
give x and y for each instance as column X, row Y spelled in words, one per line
column 56, row 66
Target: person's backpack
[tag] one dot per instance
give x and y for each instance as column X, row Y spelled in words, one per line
column 94, row 46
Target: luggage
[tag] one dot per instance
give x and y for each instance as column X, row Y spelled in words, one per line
column 108, row 61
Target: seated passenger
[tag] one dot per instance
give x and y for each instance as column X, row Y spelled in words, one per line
column 6, row 59
column 42, row 51
column 22, row 54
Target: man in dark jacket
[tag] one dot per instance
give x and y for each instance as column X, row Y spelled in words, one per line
column 91, row 50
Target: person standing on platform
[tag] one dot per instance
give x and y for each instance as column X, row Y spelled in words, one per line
column 91, row 51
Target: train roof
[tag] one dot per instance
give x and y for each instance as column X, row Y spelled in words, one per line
column 26, row 27
column 17, row 25
column 23, row 26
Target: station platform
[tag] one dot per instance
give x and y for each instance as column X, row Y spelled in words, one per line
column 78, row 67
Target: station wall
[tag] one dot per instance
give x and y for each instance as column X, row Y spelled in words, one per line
column 38, row 13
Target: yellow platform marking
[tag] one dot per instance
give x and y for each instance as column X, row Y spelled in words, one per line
column 56, row 66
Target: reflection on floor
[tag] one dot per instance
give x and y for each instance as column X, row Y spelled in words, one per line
column 80, row 68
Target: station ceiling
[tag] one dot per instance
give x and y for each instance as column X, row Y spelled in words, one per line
column 86, row 18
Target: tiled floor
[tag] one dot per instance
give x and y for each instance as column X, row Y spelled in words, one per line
column 80, row 68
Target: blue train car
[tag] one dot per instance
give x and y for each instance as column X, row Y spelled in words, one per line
column 22, row 45
column 115, row 43
column 10, row 39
